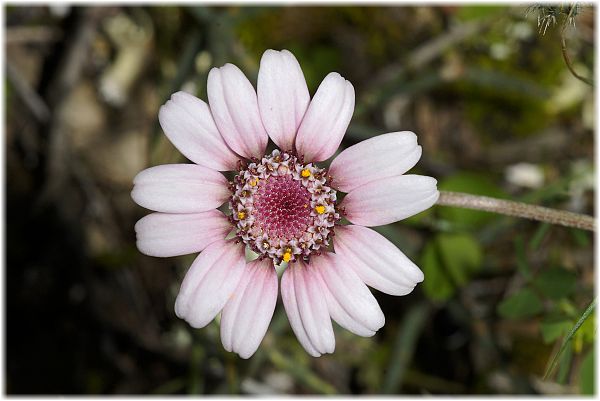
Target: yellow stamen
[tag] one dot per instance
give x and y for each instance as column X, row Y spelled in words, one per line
column 305, row 173
column 241, row 215
column 253, row 182
column 287, row 256
column 320, row 209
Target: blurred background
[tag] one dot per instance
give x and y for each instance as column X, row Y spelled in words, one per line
column 495, row 107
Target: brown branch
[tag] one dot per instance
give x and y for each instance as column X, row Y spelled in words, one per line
column 517, row 209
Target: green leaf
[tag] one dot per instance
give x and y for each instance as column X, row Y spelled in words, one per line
column 585, row 334
column 569, row 336
column 564, row 366
column 461, row 256
column 555, row 283
column 586, row 374
column 588, row 329
column 437, row 285
column 554, row 329
column 473, row 183
column 449, row 261
column 522, row 304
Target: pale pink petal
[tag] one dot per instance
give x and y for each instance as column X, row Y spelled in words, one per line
column 350, row 293
column 376, row 260
column 307, row 310
column 247, row 314
column 234, row 107
column 290, row 303
column 189, row 125
column 209, row 282
column 282, row 96
column 165, row 234
column 313, row 309
column 342, row 317
column 379, row 157
column 390, row 199
column 326, row 119
column 180, row 188
column 339, row 314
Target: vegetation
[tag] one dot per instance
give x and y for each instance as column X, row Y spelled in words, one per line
column 507, row 305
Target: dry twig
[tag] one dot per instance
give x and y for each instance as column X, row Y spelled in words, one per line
column 517, row 209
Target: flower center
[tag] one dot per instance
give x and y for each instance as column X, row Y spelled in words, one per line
column 282, row 208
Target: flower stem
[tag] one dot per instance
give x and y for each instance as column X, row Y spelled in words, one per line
column 517, row 209
column 565, row 54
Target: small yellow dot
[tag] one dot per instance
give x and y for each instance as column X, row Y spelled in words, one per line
column 320, row 209
column 305, row 173
column 253, row 182
column 287, row 256
column 241, row 215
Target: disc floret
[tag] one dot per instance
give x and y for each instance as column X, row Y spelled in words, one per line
column 282, row 208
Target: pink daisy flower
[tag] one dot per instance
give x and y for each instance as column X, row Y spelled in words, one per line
column 281, row 205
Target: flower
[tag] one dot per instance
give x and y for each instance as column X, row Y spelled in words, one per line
column 281, row 205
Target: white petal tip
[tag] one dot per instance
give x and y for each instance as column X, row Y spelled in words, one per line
column 246, row 355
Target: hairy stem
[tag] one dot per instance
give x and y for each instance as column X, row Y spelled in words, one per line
column 517, row 209
column 566, row 54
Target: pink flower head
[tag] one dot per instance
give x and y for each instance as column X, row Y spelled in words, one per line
column 281, row 205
